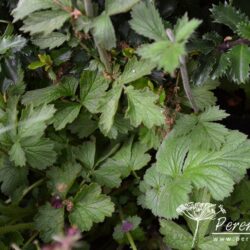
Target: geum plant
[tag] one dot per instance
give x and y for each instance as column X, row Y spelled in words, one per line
column 71, row 148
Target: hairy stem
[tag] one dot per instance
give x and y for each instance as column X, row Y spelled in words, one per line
column 15, row 228
column 184, row 74
column 102, row 52
column 186, row 85
column 131, row 241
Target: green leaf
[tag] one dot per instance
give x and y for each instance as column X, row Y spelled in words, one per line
column 41, row 96
column 240, row 59
column 185, row 28
column 113, row 7
column 90, row 206
column 83, row 126
column 68, row 86
column 36, row 65
column 15, row 43
column 222, row 66
column 26, row 7
column 92, row 89
column 227, row 14
column 243, row 29
column 104, row 32
column 61, row 179
column 45, row 21
column 210, row 243
column 150, row 137
column 175, row 236
column 120, row 126
column 203, row 96
column 134, row 70
column 152, row 27
column 202, row 127
column 131, row 157
column 33, row 120
column 164, row 54
column 65, row 115
column 17, row 154
column 49, row 222
column 51, row 41
column 108, row 107
column 86, row 154
column 109, row 176
column 142, row 108
column 11, row 177
column 39, row 152
column 178, row 158
column 163, row 194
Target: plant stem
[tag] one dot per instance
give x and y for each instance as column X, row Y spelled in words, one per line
column 30, row 240
column 186, row 85
column 88, row 5
column 35, row 184
column 184, row 74
column 131, row 241
column 17, row 227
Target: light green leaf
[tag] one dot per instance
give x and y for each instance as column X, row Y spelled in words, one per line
column 33, row 120
column 134, row 70
column 152, row 27
column 240, row 59
column 164, row 54
column 11, row 177
column 45, row 21
column 142, row 108
column 202, row 127
column 163, row 194
column 175, row 236
column 51, row 41
column 90, row 206
column 209, row 243
column 41, row 96
column 66, row 115
column 17, row 155
column 216, row 180
column 49, row 222
column 39, row 152
column 104, row 32
column 108, row 107
column 113, row 7
column 15, row 43
column 228, row 15
column 184, row 28
column 178, row 158
column 61, row 179
column 26, row 7
column 92, row 88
